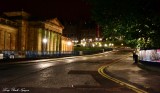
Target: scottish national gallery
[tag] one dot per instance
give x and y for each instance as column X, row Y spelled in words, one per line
column 19, row 33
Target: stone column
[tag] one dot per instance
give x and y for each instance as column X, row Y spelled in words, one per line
column 48, row 40
column 1, row 40
column 55, row 42
column 51, row 41
column 13, row 41
column 39, row 36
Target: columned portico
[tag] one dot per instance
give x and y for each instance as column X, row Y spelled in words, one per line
column 8, row 37
column 39, row 36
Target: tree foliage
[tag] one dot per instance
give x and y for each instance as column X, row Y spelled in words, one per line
column 138, row 21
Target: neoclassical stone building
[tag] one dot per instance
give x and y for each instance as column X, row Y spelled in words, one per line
column 8, row 34
column 22, row 34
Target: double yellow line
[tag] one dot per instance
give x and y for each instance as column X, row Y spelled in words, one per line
column 134, row 88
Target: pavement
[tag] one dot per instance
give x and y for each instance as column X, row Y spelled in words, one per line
column 145, row 77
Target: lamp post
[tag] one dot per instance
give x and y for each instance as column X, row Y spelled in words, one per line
column 69, row 43
column 44, row 44
column 121, row 44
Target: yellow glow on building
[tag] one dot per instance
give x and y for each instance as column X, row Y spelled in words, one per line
column 32, row 35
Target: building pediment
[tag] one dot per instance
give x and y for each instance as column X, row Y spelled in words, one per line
column 56, row 22
column 54, row 25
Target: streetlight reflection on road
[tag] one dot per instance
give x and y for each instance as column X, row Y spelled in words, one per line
column 69, row 60
column 45, row 65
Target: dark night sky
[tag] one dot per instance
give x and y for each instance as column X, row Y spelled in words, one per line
column 63, row 9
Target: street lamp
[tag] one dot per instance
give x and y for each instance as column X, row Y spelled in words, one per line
column 84, row 44
column 69, row 47
column 100, row 45
column 105, row 45
column 45, row 40
column 44, row 44
column 69, row 43
column 112, row 45
column 93, row 45
column 121, row 44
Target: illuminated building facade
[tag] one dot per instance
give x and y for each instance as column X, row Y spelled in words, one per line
column 22, row 34
column 8, row 34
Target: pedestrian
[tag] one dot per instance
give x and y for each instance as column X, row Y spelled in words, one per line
column 135, row 57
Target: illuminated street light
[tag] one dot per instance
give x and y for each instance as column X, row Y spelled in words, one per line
column 122, row 44
column 100, row 39
column 44, row 44
column 90, row 40
column 69, row 43
column 84, row 44
column 45, row 40
column 76, row 41
column 93, row 45
column 84, row 39
column 96, row 39
column 112, row 44
column 105, row 45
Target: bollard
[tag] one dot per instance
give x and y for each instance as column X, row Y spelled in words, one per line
column 80, row 53
column 102, row 50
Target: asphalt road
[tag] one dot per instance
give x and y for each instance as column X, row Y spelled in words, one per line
column 62, row 75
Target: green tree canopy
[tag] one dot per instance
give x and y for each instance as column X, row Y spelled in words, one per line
column 138, row 21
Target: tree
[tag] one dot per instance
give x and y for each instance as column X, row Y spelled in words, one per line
column 135, row 20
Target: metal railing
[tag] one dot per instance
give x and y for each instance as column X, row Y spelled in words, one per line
column 45, row 54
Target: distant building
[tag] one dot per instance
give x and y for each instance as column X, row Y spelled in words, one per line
column 82, row 32
column 22, row 34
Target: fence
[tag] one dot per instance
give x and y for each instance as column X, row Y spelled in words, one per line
column 45, row 54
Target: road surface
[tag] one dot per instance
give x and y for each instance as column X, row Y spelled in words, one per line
column 61, row 75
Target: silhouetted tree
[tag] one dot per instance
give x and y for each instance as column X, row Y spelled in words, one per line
column 137, row 20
